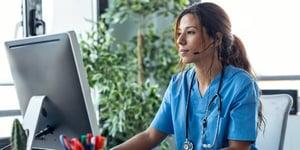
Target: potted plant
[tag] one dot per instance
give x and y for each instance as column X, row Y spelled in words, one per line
column 130, row 75
column 18, row 136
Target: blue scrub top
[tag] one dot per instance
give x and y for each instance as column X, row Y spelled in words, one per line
column 238, row 118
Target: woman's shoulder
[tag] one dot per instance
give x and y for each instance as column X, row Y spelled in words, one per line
column 181, row 79
column 241, row 84
column 238, row 75
column 183, row 76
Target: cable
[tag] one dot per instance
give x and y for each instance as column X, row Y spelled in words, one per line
column 48, row 130
column 6, row 147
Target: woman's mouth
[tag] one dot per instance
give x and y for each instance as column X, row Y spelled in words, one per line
column 183, row 51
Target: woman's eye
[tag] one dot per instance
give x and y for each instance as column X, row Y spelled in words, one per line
column 191, row 32
column 178, row 33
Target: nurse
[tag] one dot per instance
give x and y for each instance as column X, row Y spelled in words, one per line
column 215, row 103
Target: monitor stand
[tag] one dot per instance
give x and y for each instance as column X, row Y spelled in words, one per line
column 31, row 117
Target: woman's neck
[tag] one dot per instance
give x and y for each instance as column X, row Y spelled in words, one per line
column 206, row 72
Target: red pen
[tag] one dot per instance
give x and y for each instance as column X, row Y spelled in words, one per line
column 76, row 144
column 98, row 142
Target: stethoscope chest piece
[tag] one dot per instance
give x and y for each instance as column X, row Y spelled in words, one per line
column 188, row 145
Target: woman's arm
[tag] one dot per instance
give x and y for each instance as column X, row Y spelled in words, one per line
column 144, row 140
column 238, row 145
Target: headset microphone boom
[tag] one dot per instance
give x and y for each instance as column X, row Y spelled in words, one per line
column 202, row 51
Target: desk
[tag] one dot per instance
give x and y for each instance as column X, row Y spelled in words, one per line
column 4, row 142
column 292, row 134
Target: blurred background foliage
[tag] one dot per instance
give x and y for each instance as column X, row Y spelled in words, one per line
column 130, row 75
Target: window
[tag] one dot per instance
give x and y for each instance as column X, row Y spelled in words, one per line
column 10, row 29
column 269, row 29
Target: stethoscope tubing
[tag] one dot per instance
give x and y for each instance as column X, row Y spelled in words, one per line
column 204, row 121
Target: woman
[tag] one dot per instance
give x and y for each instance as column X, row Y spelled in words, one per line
column 213, row 105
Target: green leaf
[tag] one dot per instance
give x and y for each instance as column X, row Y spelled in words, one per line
column 18, row 136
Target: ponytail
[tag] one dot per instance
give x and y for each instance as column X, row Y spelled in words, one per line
column 238, row 58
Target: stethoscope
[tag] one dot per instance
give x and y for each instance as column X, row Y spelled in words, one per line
column 188, row 145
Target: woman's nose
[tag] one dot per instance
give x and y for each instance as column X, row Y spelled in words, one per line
column 181, row 39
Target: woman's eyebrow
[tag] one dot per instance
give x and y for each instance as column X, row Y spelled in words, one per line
column 188, row 27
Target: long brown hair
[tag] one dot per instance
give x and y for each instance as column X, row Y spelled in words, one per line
column 231, row 51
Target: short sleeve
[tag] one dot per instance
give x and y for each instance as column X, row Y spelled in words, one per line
column 243, row 114
column 163, row 118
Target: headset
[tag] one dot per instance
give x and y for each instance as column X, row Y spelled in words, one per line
column 188, row 145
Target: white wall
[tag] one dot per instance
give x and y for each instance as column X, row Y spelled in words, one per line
column 65, row 15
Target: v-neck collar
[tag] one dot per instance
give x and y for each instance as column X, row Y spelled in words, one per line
column 212, row 87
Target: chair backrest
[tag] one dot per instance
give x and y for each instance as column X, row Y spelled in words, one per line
column 275, row 110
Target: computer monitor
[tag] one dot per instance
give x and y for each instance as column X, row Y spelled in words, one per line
column 292, row 92
column 50, row 81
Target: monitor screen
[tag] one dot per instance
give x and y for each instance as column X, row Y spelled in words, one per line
column 291, row 92
column 52, row 66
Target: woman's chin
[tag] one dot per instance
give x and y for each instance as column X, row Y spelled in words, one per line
column 187, row 60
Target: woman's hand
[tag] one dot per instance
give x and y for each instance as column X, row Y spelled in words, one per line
column 145, row 140
column 238, row 145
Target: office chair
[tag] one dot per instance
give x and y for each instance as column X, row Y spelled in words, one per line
column 275, row 110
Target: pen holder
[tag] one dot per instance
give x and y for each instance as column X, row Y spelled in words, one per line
column 86, row 142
